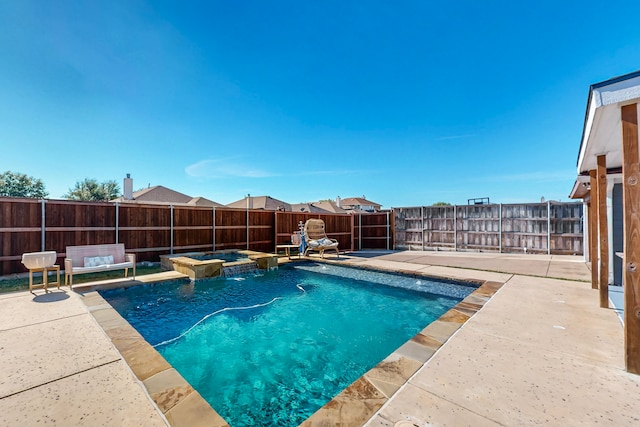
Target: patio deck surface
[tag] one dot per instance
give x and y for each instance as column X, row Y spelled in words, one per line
column 540, row 351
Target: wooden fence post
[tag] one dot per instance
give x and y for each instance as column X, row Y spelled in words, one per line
column 43, row 227
column 500, row 227
column 117, row 222
column 455, row 228
column 171, row 230
column 360, row 231
column 548, row 227
column 388, row 231
column 422, row 225
column 213, row 226
column 275, row 232
column 631, row 207
column 353, row 233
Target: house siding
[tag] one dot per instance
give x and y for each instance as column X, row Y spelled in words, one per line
column 618, row 232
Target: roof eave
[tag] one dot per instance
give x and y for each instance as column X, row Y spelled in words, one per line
column 602, row 97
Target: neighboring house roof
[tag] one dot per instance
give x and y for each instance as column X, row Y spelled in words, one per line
column 358, row 210
column 201, row 201
column 358, row 201
column 329, row 206
column 305, row 207
column 266, row 203
column 322, row 207
column 166, row 196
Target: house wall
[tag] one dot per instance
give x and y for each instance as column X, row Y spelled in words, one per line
column 618, row 232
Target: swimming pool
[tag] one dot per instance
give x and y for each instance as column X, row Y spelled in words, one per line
column 272, row 349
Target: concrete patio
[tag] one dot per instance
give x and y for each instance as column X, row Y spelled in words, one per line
column 539, row 352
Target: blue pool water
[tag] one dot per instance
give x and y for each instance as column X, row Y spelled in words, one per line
column 272, row 349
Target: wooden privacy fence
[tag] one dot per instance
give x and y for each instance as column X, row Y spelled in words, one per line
column 30, row 225
column 551, row 228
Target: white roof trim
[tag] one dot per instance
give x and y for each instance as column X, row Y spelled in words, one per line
column 620, row 92
column 602, row 133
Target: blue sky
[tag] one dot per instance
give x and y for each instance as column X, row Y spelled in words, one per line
column 406, row 102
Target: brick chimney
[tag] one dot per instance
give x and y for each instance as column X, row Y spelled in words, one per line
column 128, row 187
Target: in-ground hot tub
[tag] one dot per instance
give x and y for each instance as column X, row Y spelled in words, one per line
column 198, row 265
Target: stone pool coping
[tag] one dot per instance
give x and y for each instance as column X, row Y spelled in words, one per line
column 182, row 405
column 356, row 404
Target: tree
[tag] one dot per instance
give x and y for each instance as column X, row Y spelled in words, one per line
column 441, row 204
column 90, row 189
column 13, row 184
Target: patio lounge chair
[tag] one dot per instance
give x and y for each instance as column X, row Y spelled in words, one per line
column 316, row 238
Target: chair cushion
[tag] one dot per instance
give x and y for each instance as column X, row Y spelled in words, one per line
column 324, row 242
column 95, row 261
column 116, row 266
